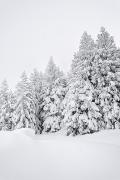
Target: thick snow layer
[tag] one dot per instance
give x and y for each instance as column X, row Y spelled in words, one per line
column 25, row 156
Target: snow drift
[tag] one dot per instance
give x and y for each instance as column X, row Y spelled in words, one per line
column 25, row 156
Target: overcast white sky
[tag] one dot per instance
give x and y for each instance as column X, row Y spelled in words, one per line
column 33, row 30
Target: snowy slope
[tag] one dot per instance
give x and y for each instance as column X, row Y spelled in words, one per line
column 25, row 156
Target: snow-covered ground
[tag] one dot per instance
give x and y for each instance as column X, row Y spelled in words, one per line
column 25, row 156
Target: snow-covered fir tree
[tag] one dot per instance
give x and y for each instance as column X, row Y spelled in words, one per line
column 52, row 105
column 105, row 40
column 7, row 101
column 36, row 87
column 81, row 114
column 98, row 64
column 54, row 88
column 81, row 63
column 105, row 79
column 52, row 72
column 24, row 110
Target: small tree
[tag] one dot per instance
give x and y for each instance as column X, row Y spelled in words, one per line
column 7, row 101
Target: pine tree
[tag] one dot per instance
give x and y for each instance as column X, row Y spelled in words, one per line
column 52, row 72
column 105, row 41
column 7, row 101
column 36, row 86
column 52, row 106
column 52, row 100
column 86, row 43
column 24, row 110
column 23, row 85
column 81, row 64
column 105, row 78
column 81, row 115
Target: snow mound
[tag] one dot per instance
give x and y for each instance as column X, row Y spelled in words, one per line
column 56, row 157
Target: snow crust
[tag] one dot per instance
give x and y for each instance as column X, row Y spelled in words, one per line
column 25, row 156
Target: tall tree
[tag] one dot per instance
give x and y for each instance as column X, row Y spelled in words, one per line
column 36, row 86
column 53, row 105
column 81, row 63
column 52, row 72
column 105, row 41
column 105, row 78
column 86, row 43
column 24, row 112
column 23, row 85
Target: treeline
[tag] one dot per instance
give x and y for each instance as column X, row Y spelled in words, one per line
column 85, row 100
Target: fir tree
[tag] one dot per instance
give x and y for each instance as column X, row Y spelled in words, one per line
column 36, row 86
column 81, row 63
column 53, row 106
column 52, row 72
column 24, row 111
column 7, row 101
column 104, row 77
column 81, row 115
column 105, row 41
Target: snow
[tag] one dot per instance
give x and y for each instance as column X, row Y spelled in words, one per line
column 25, row 156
